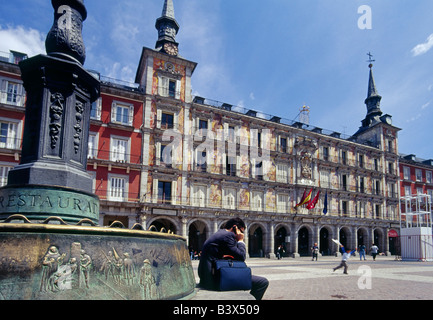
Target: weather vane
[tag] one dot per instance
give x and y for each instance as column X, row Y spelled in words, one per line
column 370, row 60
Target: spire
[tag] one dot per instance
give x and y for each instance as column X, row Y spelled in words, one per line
column 372, row 91
column 168, row 9
column 373, row 97
column 168, row 28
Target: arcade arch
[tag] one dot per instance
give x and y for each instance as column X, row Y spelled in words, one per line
column 256, row 236
column 163, row 224
column 197, row 235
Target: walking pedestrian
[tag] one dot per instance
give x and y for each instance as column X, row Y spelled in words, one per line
column 362, row 252
column 346, row 257
column 374, row 250
column 280, row 252
column 315, row 251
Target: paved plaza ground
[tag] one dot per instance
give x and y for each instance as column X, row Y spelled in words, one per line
column 303, row 279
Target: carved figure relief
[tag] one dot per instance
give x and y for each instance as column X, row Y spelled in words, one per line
column 306, row 165
column 56, row 113
column 60, row 273
column 306, row 147
column 79, row 108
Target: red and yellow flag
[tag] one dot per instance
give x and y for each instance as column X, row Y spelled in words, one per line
column 305, row 199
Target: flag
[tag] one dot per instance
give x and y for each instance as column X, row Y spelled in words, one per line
column 312, row 203
column 305, row 199
column 325, row 204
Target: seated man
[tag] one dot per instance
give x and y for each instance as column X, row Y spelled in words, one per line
column 227, row 241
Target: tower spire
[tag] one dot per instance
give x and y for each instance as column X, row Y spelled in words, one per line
column 168, row 28
column 373, row 97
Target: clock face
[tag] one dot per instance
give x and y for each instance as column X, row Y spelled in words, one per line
column 171, row 49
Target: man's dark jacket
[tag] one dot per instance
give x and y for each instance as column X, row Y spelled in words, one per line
column 218, row 245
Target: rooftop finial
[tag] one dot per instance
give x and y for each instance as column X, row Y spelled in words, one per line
column 370, row 60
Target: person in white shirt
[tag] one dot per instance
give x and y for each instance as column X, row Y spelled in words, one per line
column 374, row 250
column 346, row 256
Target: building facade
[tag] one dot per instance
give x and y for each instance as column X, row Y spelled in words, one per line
column 171, row 161
column 416, row 175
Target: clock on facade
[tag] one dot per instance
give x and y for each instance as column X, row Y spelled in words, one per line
column 171, row 49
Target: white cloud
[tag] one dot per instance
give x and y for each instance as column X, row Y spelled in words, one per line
column 425, row 105
column 423, row 47
column 29, row 41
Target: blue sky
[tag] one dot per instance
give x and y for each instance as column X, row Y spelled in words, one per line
column 272, row 56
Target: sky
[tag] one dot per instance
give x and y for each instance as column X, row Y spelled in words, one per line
column 271, row 56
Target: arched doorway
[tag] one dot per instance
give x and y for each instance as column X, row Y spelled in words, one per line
column 362, row 237
column 343, row 239
column 197, row 236
column 163, row 225
column 255, row 241
column 377, row 239
column 324, row 242
column 280, row 239
column 303, row 242
column 393, row 243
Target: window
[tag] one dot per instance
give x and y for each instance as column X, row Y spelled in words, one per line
column 259, row 139
column 344, row 208
column 117, row 188
column 407, row 191
column 92, row 152
column 282, row 173
column 390, row 168
column 231, row 166
column 172, row 88
column 12, row 93
column 230, row 198
column 231, row 135
column 202, row 124
column 361, row 161
column 122, row 113
column 344, row 182
column 325, row 180
column 282, row 200
column 95, row 110
column 343, row 157
column 391, row 190
column 377, row 189
column 119, row 149
column 377, row 211
column 169, row 87
column 418, row 174
column 164, row 192
column 376, row 165
column 259, row 170
column 406, row 173
column 8, row 135
column 167, row 121
column 201, row 161
column 428, row 176
column 199, row 196
column 257, row 201
column 283, row 145
column 165, row 157
column 361, row 185
column 325, row 153
column 4, row 170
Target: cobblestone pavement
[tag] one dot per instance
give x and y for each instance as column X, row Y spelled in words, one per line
column 303, row 279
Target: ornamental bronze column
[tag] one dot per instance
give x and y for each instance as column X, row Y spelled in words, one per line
column 51, row 178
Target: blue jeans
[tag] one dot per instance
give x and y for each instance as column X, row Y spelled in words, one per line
column 361, row 254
